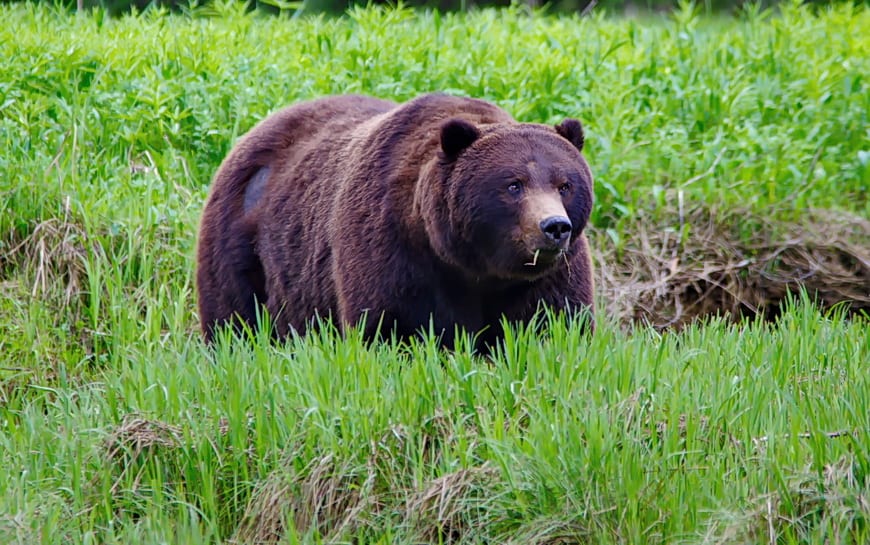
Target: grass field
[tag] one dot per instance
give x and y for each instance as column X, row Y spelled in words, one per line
column 708, row 138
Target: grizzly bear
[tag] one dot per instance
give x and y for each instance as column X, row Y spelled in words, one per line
column 428, row 215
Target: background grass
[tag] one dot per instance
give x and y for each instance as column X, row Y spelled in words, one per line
column 117, row 426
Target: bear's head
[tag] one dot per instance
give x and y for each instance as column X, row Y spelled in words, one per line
column 507, row 201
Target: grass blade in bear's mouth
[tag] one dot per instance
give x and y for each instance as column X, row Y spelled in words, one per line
column 544, row 255
column 534, row 259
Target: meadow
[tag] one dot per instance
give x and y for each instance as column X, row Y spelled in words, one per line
column 732, row 164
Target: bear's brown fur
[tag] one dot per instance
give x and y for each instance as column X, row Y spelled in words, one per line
column 441, row 209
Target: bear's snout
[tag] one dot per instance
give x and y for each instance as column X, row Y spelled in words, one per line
column 557, row 229
column 545, row 223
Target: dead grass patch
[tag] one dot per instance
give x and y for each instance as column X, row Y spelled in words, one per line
column 552, row 531
column 136, row 435
column 330, row 496
column 54, row 256
column 133, row 439
column 737, row 263
column 812, row 504
column 334, row 497
column 17, row 528
column 455, row 505
column 142, row 457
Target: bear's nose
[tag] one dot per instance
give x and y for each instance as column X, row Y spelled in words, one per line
column 557, row 228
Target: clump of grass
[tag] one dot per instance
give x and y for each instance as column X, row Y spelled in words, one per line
column 456, row 507
column 135, row 436
column 53, row 258
column 327, row 498
column 133, row 455
column 552, row 530
column 807, row 507
column 335, row 497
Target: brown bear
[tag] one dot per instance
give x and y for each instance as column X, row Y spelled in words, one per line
column 438, row 212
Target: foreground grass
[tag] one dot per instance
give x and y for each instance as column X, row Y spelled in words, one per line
column 718, row 433
column 118, row 427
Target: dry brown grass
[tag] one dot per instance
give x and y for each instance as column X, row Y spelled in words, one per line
column 139, row 451
column 328, row 495
column 735, row 263
column 836, row 498
column 454, row 505
column 136, row 435
column 552, row 531
column 53, row 256
column 134, row 438
column 339, row 497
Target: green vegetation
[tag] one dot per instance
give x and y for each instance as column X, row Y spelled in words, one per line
column 297, row 7
column 118, row 426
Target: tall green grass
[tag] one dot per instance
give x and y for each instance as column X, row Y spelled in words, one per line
column 618, row 438
column 118, row 426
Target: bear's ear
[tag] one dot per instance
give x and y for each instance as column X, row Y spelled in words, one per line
column 572, row 131
column 456, row 135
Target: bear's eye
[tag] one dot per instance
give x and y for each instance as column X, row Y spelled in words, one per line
column 564, row 189
column 514, row 187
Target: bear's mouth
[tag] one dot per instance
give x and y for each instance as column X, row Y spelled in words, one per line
column 543, row 257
